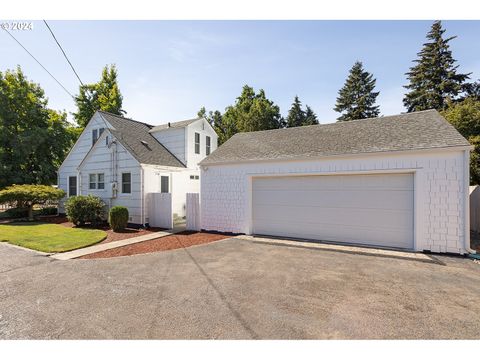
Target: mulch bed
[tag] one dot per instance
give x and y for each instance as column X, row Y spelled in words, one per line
column 177, row 241
column 111, row 236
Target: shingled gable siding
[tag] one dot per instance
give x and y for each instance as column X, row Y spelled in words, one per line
column 440, row 192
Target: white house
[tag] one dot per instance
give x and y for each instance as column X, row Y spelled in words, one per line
column 122, row 160
column 394, row 181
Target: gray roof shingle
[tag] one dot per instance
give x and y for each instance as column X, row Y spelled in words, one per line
column 131, row 133
column 410, row 131
column 173, row 125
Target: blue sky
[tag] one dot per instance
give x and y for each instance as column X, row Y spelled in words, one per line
column 169, row 69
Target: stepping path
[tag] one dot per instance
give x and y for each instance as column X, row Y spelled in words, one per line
column 112, row 245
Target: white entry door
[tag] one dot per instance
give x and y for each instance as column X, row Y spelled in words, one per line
column 365, row 209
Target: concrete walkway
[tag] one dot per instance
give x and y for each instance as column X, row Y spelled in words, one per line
column 112, row 245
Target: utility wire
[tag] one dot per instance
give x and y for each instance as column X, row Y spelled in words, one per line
column 39, row 63
column 63, row 51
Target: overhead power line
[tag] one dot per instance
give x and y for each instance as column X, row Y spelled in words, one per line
column 63, row 51
column 39, row 63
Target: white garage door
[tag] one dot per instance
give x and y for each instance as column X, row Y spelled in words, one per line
column 364, row 209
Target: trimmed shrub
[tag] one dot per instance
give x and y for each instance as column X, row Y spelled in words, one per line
column 51, row 210
column 26, row 196
column 118, row 218
column 17, row 213
column 84, row 209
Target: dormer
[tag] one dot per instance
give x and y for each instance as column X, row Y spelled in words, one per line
column 189, row 140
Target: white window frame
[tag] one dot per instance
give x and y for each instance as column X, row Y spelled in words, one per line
column 122, row 182
column 208, row 144
column 197, row 144
column 96, row 181
column 76, row 185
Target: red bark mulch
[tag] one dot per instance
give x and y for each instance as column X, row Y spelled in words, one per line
column 177, row 241
column 111, row 236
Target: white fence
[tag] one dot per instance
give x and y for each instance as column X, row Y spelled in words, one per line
column 193, row 211
column 475, row 208
column 160, row 210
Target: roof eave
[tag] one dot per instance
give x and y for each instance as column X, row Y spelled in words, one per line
column 204, row 163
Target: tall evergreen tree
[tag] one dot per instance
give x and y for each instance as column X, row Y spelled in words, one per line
column 356, row 100
column 104, row 95
column 434, row 78
column 299, row 117
column 310, row 117
column 33, row 138
column 296, row 115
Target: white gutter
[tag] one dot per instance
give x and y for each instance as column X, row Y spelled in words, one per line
column 466, row 166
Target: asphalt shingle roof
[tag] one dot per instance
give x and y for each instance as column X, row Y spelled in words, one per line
column 131, row 133
column 173, row 125
column 410, row 131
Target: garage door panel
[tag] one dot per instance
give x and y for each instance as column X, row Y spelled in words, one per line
column 335, row 182
column 387, row 219
column 367, row 236
column 335, row 199
column 368, row 209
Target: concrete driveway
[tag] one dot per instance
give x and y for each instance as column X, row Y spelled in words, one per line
column 237, row 289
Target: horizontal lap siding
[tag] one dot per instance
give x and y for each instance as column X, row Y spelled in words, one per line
column 77, row 154
column 225, row 192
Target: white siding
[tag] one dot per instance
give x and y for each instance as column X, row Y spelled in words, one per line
column 78, row 152
column 174, row 140
column 180, row 185
column 204, row 129
column 440, row 191
column 100, row 161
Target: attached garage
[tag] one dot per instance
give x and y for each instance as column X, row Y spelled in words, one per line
column 364, row 209
column 396, row 181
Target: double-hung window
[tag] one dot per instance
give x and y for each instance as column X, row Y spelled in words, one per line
column 197, row 143
column 96, row 133
column 96, row 181
column 207, row 145
column 126, row 183
column 72, row 186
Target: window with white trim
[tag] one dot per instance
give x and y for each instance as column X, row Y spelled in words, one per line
column 96, row 181
column 197, row 143
column 207, row 145
column 126, row 183
column 72, row 186
column 94, row 136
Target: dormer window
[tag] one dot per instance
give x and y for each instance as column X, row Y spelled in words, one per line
column 94, row 136
column 96, row 133
column 207, row 145
column 197, row 143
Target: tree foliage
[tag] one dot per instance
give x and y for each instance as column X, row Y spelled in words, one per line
column 434, row 80
column 465, row 117
column 356, row 99
column 33, row 138
column 26, row 196
column 104, row 95
column 299, row 117
column 251, row 112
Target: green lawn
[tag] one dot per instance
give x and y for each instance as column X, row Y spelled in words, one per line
column 49, row 237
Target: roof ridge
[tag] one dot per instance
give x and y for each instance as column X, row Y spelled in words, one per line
column 125, row 118
column 338, row 122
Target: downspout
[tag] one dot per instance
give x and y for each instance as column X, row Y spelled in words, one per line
column 466, row 176
column 142, row 190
